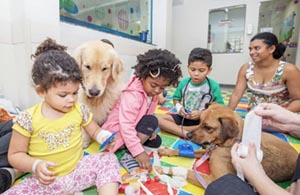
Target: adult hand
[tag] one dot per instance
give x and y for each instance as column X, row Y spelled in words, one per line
column 275, row 113
column 279, row 119
column 250, row 165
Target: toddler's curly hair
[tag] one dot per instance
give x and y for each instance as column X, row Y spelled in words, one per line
column 158, row 63
column 52, row 65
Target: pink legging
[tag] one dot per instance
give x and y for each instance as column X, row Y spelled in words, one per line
column 95, row 169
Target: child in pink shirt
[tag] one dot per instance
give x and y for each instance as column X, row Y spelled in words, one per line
column 132, row 117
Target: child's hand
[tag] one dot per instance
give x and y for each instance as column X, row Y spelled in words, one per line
column 194, row 115
column 111, row 145
column 184, row 112
column 43, row 174
column 144, row 161
column 191, row 115
column 161, row 99
column 181, row 112
column 153, row 136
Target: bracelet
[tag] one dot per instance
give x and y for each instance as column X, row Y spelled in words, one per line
column 35, row 163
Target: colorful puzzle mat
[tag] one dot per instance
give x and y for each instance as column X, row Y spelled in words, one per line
column 159, row 188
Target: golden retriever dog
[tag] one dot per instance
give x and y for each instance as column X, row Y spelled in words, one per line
column 223, row 127
column 102, row 71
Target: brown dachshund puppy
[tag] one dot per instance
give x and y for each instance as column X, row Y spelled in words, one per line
column 223, row 127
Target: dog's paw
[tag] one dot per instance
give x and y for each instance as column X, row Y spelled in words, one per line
column 167, row 152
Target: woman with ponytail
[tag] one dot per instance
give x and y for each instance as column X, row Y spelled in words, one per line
column 266, row 77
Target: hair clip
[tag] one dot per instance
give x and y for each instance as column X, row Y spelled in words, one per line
column 175, row 67
column 158, row 70
column 155, row 75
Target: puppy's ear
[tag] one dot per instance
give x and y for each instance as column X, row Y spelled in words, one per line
column 117, row 68
column 207, row 105
column 229, row 128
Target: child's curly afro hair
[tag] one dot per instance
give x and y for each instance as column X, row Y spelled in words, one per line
column 158, row 63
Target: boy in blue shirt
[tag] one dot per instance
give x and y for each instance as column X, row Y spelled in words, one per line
column 191, row 95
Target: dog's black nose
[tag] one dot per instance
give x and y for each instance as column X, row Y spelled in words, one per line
column 94, row 92
column 189, row 135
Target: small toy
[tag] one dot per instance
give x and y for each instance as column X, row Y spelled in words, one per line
column 135, row 174
column 168, row 181
column 186, row 150
column 129, row 163
column 187, row 111
column 107, row 141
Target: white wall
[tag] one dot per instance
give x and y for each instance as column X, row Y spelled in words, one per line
column 26, row 23
column 190, row 29
column 162, row 23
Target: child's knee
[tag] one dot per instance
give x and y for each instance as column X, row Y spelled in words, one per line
column 147, row 125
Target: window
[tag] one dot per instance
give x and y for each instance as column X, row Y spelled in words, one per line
column 280, row 17
column 128, row 18
column 226, row 29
